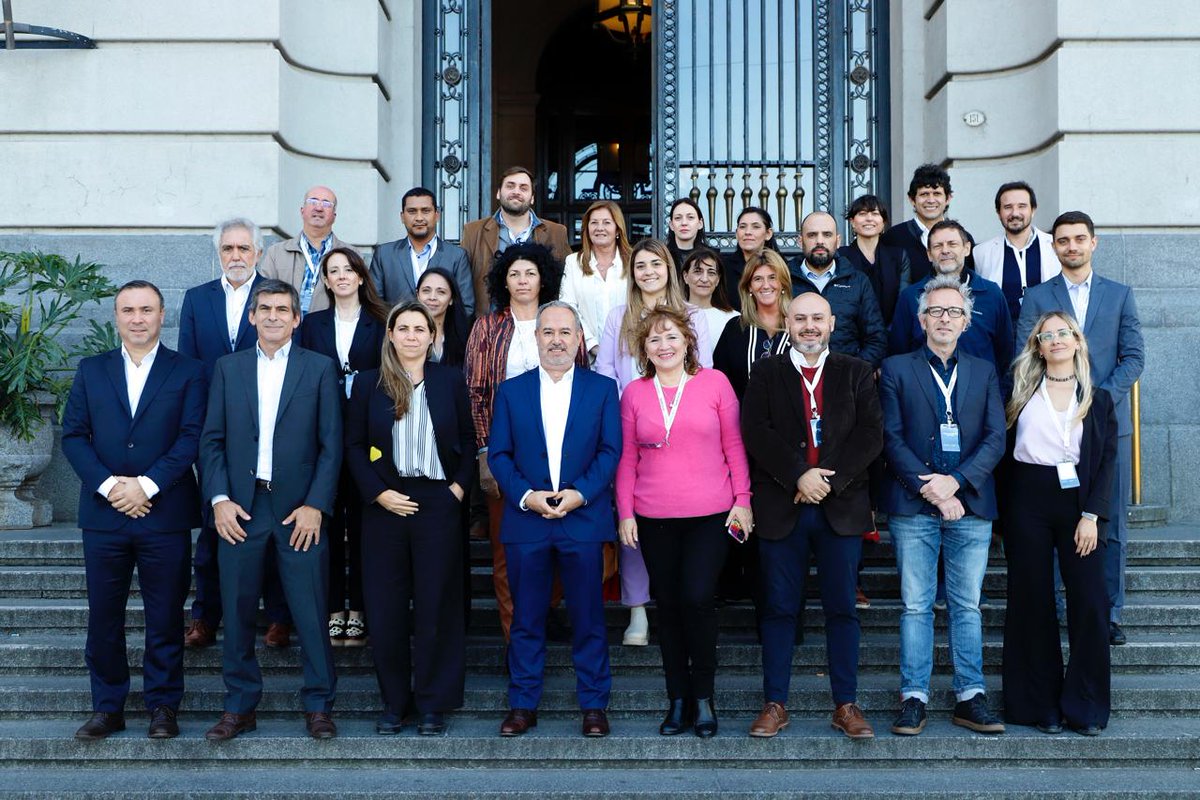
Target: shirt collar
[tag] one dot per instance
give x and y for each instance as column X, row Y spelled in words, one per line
column 281, row 353
column 829, row 273
column 229, row 287
column 533, row 220
column 147, row 359
column 1085, row 283
column 566, row 380
column 315, row 250
column 1033, row 232
column 799, row 362
column 936, row 361
column 430, row 247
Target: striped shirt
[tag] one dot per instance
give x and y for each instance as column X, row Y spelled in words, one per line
column 414, row 444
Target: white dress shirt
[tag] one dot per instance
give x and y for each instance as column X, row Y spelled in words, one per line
column 270, row 386
column 593, row 296
column 235, row 306
column 523, row 349
column 555, row 403
column 1080, row 293
column 135, row 383
column 924, row 232
column 1040, row 434
column 343, row 336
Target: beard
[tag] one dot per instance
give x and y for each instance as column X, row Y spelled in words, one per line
column 514, row 207
column 819, row 258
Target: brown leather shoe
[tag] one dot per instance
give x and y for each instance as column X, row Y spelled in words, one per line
column 518, row 721
column 849, row 719
column 100, row 726
column 230, row 725
column 595, row 722
column 278, row 635
column 319, row 725
column 163, row 724
column 771, row 720
column 199, row 634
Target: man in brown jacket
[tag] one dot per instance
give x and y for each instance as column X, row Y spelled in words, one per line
column 512, row 223
column 298, row 260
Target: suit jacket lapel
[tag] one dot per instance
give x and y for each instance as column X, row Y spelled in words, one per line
column 216, row 304
column 291, row 378
column 791, row 384
column 362, row 337
column 116, row 373
column 962, row 390
column 244, row 327
column 1095, row 299
column 1063, row 297
column 404, row 265
column 491, row 236
column 921, row 371
column 249, row 367
column 164, row 362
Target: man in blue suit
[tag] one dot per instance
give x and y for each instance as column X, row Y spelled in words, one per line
column 1106, row 312
column 943, row 424
column 270, row 457
column 397, row 266
column 212, row 323
column 554, row 447
column 131, row 431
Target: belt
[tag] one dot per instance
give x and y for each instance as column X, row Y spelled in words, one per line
column 261, row 485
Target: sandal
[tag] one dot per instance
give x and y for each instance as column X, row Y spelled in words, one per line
column 337, row 631
column 356, row 633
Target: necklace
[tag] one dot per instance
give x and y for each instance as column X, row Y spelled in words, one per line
column 1067, row 379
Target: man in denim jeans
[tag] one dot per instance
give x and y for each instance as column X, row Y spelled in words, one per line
column 943, row 435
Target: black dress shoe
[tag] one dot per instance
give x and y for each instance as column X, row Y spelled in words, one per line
column 389, row 724
column 1050, row 728
column 163, row 724
column 101, row 725
column 1116, row 636
column 432, row 725
column 1086, row 730
column 678, row 718
column 595, row 722
column 705, row 717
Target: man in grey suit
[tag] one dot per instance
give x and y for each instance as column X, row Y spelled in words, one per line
column 271, row 452
column 397, row 266
column 1106, row 312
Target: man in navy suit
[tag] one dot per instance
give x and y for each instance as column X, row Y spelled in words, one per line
column 270, row 454
column 397, row 266
column 131, row 431
column 1106, row 312
column 943, row 435
column 554, row 447
column 212, row 323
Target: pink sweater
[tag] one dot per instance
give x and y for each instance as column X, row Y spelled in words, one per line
column 703, row 471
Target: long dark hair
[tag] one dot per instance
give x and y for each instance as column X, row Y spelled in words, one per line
column 769, row 244
column 455, row 326
column 701, row 235
column 720, row 295
column 392, row 378
column 368, row 296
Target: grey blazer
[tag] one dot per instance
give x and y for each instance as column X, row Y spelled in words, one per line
column 391, row 268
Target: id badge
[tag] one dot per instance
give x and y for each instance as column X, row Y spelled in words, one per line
column 1067, row 477
column 349, row 383
column 814, row 427
column 950, row 438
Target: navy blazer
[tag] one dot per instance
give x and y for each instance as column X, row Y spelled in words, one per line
column 1112, row 330
column 591, row 450
column 391, row 269
column 911, row 428
column 202, row 328
column 371, row 415
column 101, row 438
column 307, row 454
column 317, row 334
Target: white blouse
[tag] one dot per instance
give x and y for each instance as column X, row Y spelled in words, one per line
column 592, row 295
column 522, row 351
column 1040, row 434
column 716, row 319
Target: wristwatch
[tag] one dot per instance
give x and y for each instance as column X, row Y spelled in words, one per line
column 1089, row 515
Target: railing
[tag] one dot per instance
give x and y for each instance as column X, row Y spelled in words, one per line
column 46, row 38
column 723, row 189
column 1135, row 411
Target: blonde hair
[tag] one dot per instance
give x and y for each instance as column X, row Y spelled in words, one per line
column 585, row 242
column 1029, row 368
column 635, row 307
column 656, row 320
column 393, row 378
column 765, row 258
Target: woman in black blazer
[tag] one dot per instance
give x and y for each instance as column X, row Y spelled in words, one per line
column 1058, row 476
column 410, row 444
column 886, row 267
column 350, row 332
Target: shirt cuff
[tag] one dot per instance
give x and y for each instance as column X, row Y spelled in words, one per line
column 521, row 504
column 107, row 486
column 148, row 486
column 221, row 498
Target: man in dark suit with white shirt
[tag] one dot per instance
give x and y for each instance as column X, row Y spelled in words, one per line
column 1108, row 316
column 397, row 266
column 930, row 194
column 131, row 432
column 271, row 453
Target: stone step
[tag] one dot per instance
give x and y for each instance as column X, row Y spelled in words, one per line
column 1143, row 613
column 472, row 742
column 950, row 782
column 634, row 696
column 62, row 654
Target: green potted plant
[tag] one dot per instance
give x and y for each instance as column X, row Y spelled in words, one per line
column 41, row 296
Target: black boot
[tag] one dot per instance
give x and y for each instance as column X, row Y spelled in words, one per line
column 705, row 718
column 677, row 720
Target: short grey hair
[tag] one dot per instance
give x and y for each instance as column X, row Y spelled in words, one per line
column 560, row 304
column 237, row 222
column 946, row 282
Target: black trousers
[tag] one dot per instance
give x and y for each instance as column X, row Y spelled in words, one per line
column 345, row 540
column 1040, row 518
column 684, row 558
column 418, row 560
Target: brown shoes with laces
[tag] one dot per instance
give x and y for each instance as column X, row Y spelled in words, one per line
column 518, row 721
column 278, row 635
column 770, row 721
column 199, row 634
column 230, row 725
column 319, row 724
column 849, row 719
column 101, row 726
column 595, row 722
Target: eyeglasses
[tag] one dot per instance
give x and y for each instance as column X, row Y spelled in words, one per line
column 1050, row 336
column 317, row 202
column 937, row 312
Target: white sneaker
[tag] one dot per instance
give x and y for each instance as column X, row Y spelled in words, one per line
column 638, row 632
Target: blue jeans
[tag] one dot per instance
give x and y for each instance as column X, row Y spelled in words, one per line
column 964, row 545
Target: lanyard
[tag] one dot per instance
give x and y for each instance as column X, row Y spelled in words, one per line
column 812, row 386
column 304, row 249
column 668, row 416
column 1062, row 428
column 947, row 391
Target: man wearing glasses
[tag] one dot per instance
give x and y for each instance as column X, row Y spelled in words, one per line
column 989, row 334
column 298, row 260
column 943, row 423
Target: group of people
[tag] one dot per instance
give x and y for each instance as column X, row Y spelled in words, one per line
column 654, row 421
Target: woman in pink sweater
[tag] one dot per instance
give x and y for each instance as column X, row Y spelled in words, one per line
column 682, row 482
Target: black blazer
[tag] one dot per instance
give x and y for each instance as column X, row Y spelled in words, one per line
column 775, row 434
column 890, row 273
column 370, row 416
column 1097, row 462
column 317, row 334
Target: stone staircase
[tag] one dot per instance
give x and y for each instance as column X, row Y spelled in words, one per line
column 1151, row 748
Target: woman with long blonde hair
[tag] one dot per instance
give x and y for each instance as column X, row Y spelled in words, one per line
column 597, row 277
column 1062, row 447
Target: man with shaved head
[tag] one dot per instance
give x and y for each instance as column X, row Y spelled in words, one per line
column 860, row 331
column 298, row 260
column 812, row 425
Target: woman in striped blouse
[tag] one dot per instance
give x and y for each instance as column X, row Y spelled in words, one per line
column 409, row 442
